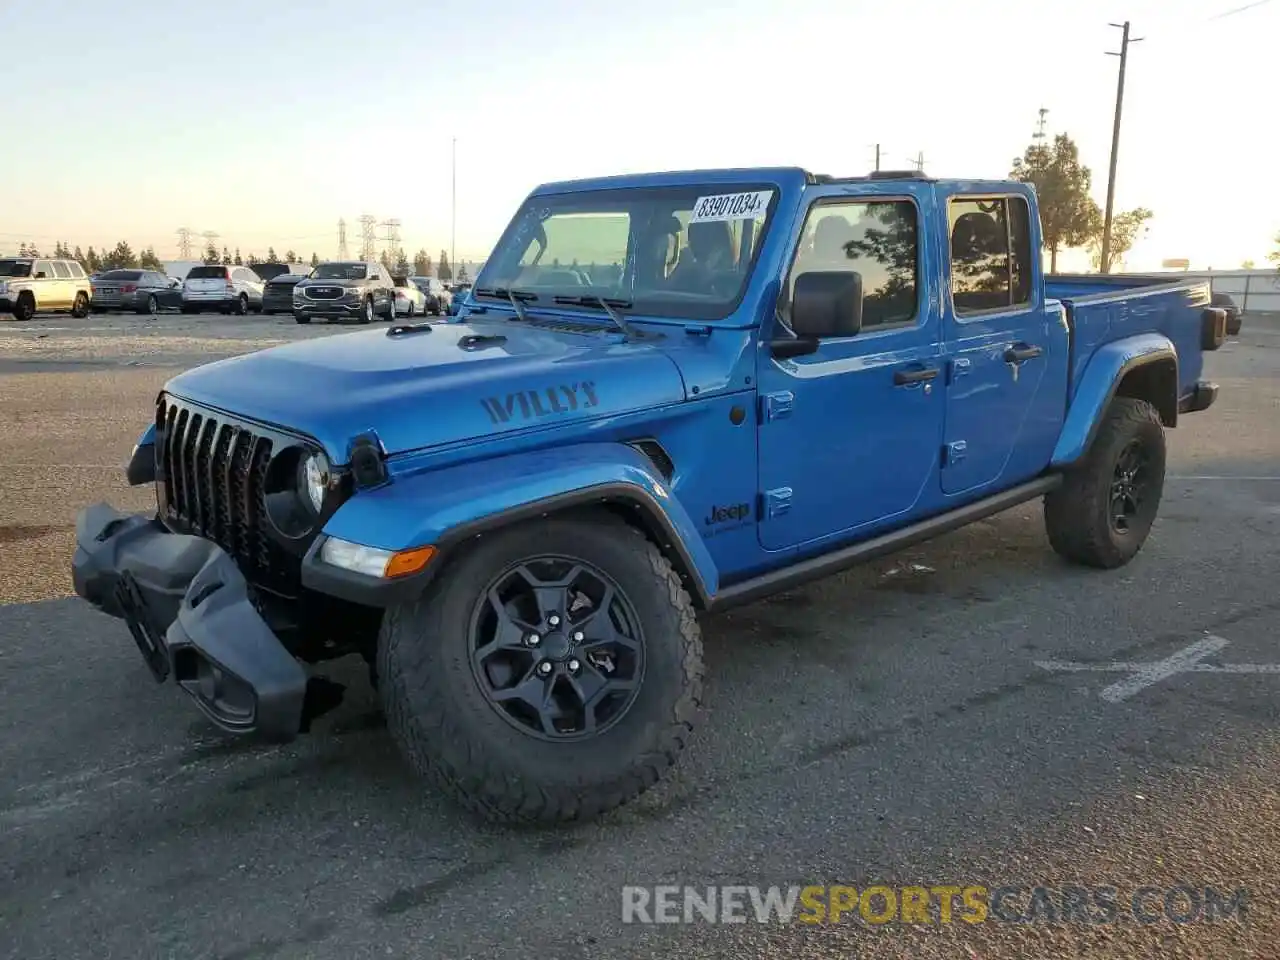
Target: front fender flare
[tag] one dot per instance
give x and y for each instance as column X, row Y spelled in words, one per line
column 142, row 462
column 445, row 508
column 1097, row 388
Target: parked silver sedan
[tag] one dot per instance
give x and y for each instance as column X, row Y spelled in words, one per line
column 143, row 291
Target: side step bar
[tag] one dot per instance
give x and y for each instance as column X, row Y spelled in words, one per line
column 815, row 568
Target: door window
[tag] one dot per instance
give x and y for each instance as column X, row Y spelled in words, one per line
column 877, row 239
column 990, row 254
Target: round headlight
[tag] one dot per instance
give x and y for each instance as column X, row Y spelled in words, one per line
column 315, row 479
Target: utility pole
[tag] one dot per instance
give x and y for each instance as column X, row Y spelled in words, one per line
column 342, row 239
column 453, row 206
column 1105, row 259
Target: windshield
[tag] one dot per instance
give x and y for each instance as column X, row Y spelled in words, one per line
column 339, row 271
column 681, row 252
column 15, row 268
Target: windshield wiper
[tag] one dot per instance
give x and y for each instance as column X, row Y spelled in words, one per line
column 514, row 297
column 609, row 306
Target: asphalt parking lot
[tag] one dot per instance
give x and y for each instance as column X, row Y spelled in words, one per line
column 972, row 712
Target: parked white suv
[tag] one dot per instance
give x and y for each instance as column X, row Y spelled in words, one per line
column 225, row 289
column 31, row 285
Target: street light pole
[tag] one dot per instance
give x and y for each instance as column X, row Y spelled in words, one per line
column 453, row 216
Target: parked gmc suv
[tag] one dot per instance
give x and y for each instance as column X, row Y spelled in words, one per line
column 345, row 288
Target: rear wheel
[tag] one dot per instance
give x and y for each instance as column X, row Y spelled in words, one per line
column 1104, row 510
column 553, row 672
column 242, row 306
column 80, row 309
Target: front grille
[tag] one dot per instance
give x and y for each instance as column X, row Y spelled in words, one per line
column 324, row 293
column 212, row 474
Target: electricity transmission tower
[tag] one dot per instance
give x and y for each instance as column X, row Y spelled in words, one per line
column 368, row 237
column 184, row 243
column 392, row 239
column 342, row 239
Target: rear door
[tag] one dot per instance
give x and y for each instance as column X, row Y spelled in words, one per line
column 65, row 288
column 849, row 435
column 1006, row 374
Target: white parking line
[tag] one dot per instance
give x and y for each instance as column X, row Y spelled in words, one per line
column 1143, row 675
column 1251, row 479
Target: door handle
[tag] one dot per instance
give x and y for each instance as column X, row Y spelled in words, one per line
column 918, row 375
column 1021, row 352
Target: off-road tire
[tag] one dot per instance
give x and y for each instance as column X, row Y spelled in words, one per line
column 25, row 308
column 1077, row 515
column 80, row 309
column 449, row 732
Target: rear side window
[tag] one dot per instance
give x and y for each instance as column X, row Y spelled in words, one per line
column 990, row 254
column 61, row 271
column 207, row 273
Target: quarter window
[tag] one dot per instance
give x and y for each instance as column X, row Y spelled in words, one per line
column 61, row 270
column 877, row 239
column 990, row 254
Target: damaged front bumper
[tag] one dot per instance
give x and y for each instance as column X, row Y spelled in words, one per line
column 190, row 612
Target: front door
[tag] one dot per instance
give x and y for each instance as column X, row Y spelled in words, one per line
column 849, row 436
column 1004, row 395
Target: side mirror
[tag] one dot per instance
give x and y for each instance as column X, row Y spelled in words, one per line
column 824, row 304
column 41, row 275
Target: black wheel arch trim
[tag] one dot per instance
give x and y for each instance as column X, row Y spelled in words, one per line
column 377, row 592
column 1164, row 355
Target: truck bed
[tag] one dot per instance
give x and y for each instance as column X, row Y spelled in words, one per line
column 1102, row 308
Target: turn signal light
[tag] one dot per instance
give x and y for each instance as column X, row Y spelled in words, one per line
column 409, row 561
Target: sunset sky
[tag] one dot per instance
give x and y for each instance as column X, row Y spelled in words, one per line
column 268, row 122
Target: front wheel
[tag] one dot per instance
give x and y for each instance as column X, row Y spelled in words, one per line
column 1104, row 510
column 552, row 672
column 151, row 307
column 25, row 308
column 367, row 315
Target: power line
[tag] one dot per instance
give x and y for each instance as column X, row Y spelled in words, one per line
column 1232, row 13
column 1104, row 260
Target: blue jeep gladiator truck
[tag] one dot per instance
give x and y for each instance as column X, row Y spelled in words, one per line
column 666, row 394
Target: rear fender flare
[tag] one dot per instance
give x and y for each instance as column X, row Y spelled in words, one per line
column 1099, row 384
column 450, row 507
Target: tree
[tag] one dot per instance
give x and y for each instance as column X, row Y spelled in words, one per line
column 290, row 256
column 1274, row 255
column 442, row 271
column 92, row 262
column 60, row 252
column 315, row 260
column 252, row 259
column 1247, row 265
column 78, row 257
column 271, row 255
column 1069, row 217
column 462, row 272
column 237, row 259
column 421, row 264
column 385, row 260
column 211, row 257
column 28, row 250
column 226, row 257
column 121, row 258
column 402, row 264
column 1126, row 229
column 148, row 260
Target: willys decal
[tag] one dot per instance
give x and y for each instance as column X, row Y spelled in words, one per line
column 543, row 402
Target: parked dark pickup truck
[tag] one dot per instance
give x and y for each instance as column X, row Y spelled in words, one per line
column 516, row 515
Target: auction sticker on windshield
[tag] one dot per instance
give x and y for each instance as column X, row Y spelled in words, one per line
column 731, row 206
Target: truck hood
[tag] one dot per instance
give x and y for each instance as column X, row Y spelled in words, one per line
column 423, row 389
